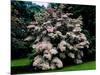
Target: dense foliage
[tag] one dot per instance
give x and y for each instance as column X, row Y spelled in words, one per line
column 89, row 21
column 22, row 13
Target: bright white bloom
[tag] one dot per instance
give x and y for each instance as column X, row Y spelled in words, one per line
column 54, row 51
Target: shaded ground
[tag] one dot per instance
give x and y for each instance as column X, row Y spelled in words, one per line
column 21, row 66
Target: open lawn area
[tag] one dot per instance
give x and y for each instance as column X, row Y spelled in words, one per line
column 85, row 66
column 22, row 66
column 20, row 62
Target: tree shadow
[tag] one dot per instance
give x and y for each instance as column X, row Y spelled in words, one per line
column 22, row 69
column 25, row 70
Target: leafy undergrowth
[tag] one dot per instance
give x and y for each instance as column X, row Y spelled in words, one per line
column 22, row 66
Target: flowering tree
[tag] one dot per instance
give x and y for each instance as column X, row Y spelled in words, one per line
column 56, row 37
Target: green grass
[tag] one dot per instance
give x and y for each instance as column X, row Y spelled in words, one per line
column 85, row 66
column 20, row 62
column 18, row 66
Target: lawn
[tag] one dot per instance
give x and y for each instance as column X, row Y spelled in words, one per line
column 20, row 62
column 22, row 66
column 85, row 66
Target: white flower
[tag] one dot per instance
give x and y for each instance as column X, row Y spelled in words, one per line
column 77, row 29
column 62, row 45
column 29, row 38
column 54, row 51
column 30, row 26
column 37, row 61
column 72, row 55
column 58, row 63
column 45, row 65
column 50, row 29
column 53, row 66
column 43, row 46
column 47, row 55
